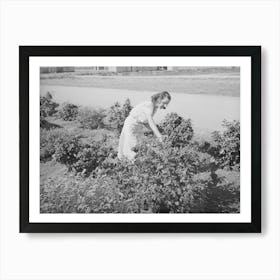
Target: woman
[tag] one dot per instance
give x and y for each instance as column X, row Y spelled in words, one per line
column 141, row 113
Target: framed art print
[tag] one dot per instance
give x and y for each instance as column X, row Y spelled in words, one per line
column 140, row 138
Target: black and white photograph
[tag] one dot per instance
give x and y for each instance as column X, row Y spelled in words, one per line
column 140, row 138
column 156, row 139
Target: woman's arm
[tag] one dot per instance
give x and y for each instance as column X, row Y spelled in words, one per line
column 154, row 128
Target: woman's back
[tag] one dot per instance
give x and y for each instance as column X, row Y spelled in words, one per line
column 142, row 111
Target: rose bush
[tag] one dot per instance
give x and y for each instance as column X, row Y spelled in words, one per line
column 228, row 145
column 177, row 176
column 47, row 108
column 160, row 179
column 90, row 118
column 68, row 112
column 48, row 140
column 79, row 157
column 116, row 116
column 225, row 146
column 178, row 130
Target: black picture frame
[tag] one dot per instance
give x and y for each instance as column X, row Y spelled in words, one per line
column 25, row 52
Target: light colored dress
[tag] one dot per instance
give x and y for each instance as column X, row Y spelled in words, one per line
column 128, row 140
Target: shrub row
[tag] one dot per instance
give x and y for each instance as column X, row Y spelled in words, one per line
column 224, row 150
column 112, row 118
column 163, row 179
column 177, row 175
column 68, row 149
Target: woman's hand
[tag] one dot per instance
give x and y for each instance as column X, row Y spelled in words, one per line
column 160, row 139
column 154, row 128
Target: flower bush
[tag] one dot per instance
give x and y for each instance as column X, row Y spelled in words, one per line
column 90, row 118
column 159, row 180
column 162, row 179
column 68, row 112
column 66, row 150
column 228, row 145
column 91, row 156
column 79, row 157
column 47, row 108
column 225, row 146
column 179, row 175
column 178, row 129
column 116, row 116
column 48, row 140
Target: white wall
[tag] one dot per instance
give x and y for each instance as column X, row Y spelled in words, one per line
column 139, row 256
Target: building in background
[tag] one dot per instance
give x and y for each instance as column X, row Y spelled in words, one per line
column 83, row 70
column 92, row 69
column 120, row 69
column 56, row 69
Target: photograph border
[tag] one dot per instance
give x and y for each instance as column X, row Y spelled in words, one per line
column 250, row 51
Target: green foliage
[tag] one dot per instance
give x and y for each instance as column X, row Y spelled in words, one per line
column 178, row 129
column 91, row 119
column 68, row 112
column 117, row 114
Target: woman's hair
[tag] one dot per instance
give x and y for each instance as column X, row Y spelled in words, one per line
column 160, row 96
